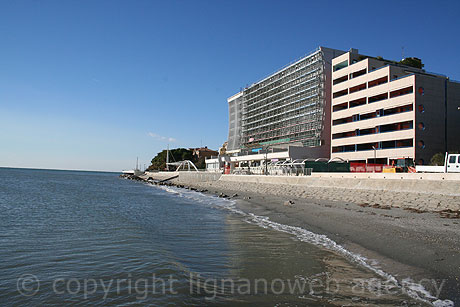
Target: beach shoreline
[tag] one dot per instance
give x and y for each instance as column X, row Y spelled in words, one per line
column 408, row 244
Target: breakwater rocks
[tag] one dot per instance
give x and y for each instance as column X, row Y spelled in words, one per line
column 169, row 183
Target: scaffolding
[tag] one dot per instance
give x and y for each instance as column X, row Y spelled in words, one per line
column 288, row 106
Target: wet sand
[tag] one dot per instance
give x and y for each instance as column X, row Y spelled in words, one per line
column 405, row 243
column 397, row 232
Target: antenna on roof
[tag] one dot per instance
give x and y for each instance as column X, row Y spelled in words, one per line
column 402, row 53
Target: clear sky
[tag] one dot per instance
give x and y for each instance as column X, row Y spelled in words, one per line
column 94, row 84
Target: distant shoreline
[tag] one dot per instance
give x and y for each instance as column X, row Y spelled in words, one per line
column 57, row 169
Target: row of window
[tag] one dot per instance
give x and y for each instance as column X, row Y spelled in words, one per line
column 373, row 114
column 370, row 84
column 375, row 130
column 353, row 75
column 374, row 146
column 372, row 99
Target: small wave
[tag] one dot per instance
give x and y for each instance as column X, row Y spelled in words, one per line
column 413, row 289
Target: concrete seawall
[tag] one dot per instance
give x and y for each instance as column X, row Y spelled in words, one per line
column 365, row 182
column 444, row 184
column 185, row 177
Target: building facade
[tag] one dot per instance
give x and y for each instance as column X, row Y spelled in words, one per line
column 235, row 109
column 289, row 108
column 382, row 111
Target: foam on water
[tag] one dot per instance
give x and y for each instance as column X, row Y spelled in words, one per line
column 414, row 290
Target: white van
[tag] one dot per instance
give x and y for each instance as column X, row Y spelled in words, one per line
column 453, row 163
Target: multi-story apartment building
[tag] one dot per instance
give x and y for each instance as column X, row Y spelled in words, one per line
column 289, row 107
column 382, row 110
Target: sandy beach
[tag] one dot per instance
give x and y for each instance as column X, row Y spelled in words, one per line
column 402, row 233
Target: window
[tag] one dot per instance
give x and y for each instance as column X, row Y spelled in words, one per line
column 357, row 102
column 421, row 126
column 341, row 93
column 397, row 110
column 397, row 144
column 343, row 135
column 358, row 88
column 340, row 65
column 378, row 82
column 396, row 126
column 452, row 159
column 342, row 121
column 404, row 91
column 421, row 108
column 421, row 144
column 340, row 107
column 358, row 73
column 340, row 80
column 367, row 116
column 378, row 98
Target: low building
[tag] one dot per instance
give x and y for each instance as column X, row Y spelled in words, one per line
column 212, row 165
column 383, row 110
column 203, row 152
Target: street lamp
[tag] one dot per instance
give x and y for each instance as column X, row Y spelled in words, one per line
column 266, row 160
column 375, row 157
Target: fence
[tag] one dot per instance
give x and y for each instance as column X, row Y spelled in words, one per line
column 328, row 167
column 279, row 170
column 366, row 168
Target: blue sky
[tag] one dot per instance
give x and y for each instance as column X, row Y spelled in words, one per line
column 94, row 84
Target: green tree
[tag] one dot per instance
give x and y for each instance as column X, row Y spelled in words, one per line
column 413, row 62
column 440, row 158
column 178, row 154
column 437, row 159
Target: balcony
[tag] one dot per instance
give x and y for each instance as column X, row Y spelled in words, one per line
column 379, row 97
column 378, row 133
column 378, row 145
column 347, row 124
column 369, row 154
column 340, row 93
column 358, row 88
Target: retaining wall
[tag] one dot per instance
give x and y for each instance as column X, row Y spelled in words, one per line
column 184, row 176
column 359, row 181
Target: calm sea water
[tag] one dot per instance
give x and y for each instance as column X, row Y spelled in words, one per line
column 91, row 238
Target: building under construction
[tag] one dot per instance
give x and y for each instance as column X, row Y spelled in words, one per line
column 289, row 107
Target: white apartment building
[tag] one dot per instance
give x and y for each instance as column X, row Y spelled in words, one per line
column 382, row 110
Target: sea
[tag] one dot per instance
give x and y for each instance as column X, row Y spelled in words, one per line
column 91, row 238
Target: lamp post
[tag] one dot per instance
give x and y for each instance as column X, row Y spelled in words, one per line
column 266, row 160
column 375, row 157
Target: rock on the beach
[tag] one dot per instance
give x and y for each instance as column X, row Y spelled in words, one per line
column 288, row 203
